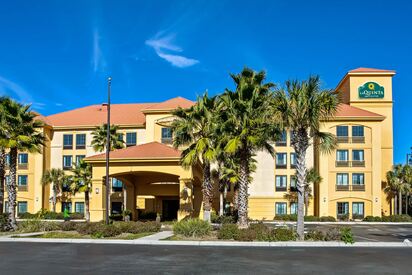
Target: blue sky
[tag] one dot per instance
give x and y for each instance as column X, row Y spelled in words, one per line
column 58, row 54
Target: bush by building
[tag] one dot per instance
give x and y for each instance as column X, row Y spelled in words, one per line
column 194, row 228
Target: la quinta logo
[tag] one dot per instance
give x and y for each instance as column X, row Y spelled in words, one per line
column 371, row 90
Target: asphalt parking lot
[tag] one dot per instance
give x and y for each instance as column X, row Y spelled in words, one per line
column 53, row 258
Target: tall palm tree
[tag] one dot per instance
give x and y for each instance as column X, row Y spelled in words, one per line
column 391, row 189
column 195, row 128
column 3, row 133
column 100, row 137
column 407, row 186
column 399, row 183
column 247, row 124
column 312, row 179
column 303, row 106
column 81, row 181
column 20, row 134
column 57, row 178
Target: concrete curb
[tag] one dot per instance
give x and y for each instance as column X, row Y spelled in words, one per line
column 210, row 243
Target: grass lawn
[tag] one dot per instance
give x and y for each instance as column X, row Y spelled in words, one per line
column 76, row 235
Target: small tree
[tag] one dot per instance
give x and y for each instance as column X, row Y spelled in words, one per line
column 57, row 178
column 100, row 136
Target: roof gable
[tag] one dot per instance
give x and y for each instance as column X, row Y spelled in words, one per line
column 170, row 104
column 347, row 111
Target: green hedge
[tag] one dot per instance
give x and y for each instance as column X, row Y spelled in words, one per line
column 294, row 217
column 214, row 218
column 391, row 218
column 255, row 232
column 192, row 228
column 48, row 215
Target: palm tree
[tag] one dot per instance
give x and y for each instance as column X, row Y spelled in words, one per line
column 407, row 184
column 100, row 137
column 303, row 106
column 20, row 134
column 312, row 179
column 247, row 124
column 195, row 128
column 57, row 178
column 392, row 187
column 399, row 182
column 3, row 133
column 81, row 181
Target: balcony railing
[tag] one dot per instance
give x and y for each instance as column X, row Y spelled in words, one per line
column 281, row 143
column 167, row 140
column 23, row 166
column 281, row 166
column 353, row 187
column 281, row 188
column 351, row 139
column 80, row 146
column 347, row 163
column 22, row 188
column 292, row 166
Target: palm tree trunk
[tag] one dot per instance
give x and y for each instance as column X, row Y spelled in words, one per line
column 12, row 188
column 406, row 204
column 243, row 195
column 2, row 177
column 400, row 203
column 86, row 206
column 235, row 196
column 207, row 191
column 301, row 175
column 54, row 196
column 221, row 204
column 395, row 205
column 306, row 204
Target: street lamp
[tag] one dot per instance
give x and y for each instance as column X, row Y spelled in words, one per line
column 109, row 82
column 409, row 158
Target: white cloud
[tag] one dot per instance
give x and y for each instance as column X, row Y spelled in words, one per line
column 162, row 44
column 10, row 88
column 98, row 61
column 59, row 104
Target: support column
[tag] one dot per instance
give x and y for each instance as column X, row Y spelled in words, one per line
column 97, row 200
column 186, row 199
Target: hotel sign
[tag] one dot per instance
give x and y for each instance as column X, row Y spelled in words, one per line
column 371, row 90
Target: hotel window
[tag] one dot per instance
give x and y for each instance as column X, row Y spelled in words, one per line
column 23, row 159
column 293, row 208
column 117, row 185
column 131, row 139
column 79, row 158
column 342, row 179
column 342, row 208
column 358, row 158
column 292, row 160
column 280, row 208
column 281, row 183
column 67, row 162
column 22, row 180
column 22, row 207
column 79, row 207
column 7, row 160
column 67, row 141
column 281, row 160
column 357, row 210
column 67, row 205
column 282, row 140
column 342, row 133
column 80, row 141
column 167, row 135
column 342, row 158
column 358, row 179
column 293, row 186
column 120, row 137
column 358, row 134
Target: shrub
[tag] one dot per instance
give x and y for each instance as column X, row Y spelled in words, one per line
column 292, row 217
column 137, row 227
column 245, row 235
column 372, row 219
column 346, row 235
column 262, row 232
column 77, row 216
column 27, row 216
column 228, row 231
column 192, row 228
column 357, row 217
column 116, row 217
column 327, row 219
column 222, row 219
column 343, row 217
column 34, row 225
column 315, row 235
column 68, row 226
column 98, row 229
column 397, row 218
column 333, row 234
column 5, row 222
column 311, row 219
column 87, row 228
column 284, row 234
column 150, row 216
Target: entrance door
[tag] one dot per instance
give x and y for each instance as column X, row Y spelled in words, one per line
column 170, row 208
column 116, row 207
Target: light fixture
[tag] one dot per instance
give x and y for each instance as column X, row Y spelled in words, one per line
column 324, row 199
column 97, row 190
column 376, row 199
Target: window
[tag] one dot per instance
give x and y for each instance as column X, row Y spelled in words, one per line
column 282, row 140
column 292, row 160
column 120, row 137
column 358, row 179
column 23, row 158
column 357, row 210
column 67, row 141
column 67, row 162
column 281, row 183
column 80, row 141
column 79, row 207
column 131, row 139
column 357, row 131
column 117, row 207
column 342, row 179
column 6, row 207
column 342, row 208
column 117, row 185
column 293, row 208
column 358, row 155
column 342, row 155
column 293, row 186
column 67, row 205
column 79, row 158
column 342, row 131
column 22, row 180
column 280, row 208
column 22, row 207
column 167, row 135
column 7, row 160
column 281, row 160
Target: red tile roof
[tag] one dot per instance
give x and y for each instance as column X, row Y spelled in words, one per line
column 370, row 70
column 345, row 110
column 171, row 104
column 151, row 150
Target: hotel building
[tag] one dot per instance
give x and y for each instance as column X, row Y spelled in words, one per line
column 146, row 176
